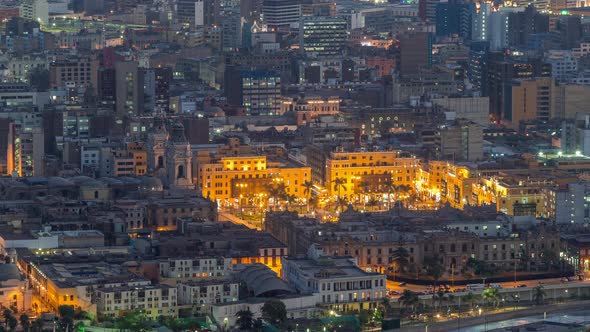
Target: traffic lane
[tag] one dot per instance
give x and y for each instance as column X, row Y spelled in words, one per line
column 395, row 285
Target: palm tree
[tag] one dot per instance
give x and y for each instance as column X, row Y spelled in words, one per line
column 396, row 190
column 37, row 325
column 471, row 299
column 401, row 257
column 339, row 184
column 25, row 323
column 433, row 268
column 245, row 320
column 7, row 314
column 307, row 185
column 440, row 297
column 385, row 306
column 373, row 202
column 276, row 191
column 409, row 299
column 539, row 294
column 491, row 296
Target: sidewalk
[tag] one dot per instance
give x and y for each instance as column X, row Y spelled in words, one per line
column 473, row 321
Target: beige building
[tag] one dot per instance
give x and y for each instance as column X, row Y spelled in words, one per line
column 571, row 99
column 532, row 99
column 461, row 141
column 154, row 300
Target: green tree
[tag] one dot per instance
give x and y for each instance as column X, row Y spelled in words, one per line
column 274, row 312
column 257, row 325
column 134, row 321
column 12, row 323
column 37, row 325
column 549, row 258
column 409, row 299
column 277, row 191
column 440, row 297
column 245, row 320
column 25, row 322
column 339, row 185
column 491, row 296
column 471, row 299
column 433, row 268
column 539, row 294
column 307, row 185
column 385, row 306
column 395, row 190
column 401, row 257
column 66, row 314
column 6, row 314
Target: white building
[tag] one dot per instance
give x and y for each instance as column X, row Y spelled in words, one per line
column 337, row 281
column 481, row 21
column 39, row 240
column 36, row 10
column 571, row 204
column 564, row 65
column 191, row 268
column 155, row 300
column 206, row 292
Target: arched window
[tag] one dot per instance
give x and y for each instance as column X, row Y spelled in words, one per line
column 96, row 194
column 160, row 162
column 180, row 173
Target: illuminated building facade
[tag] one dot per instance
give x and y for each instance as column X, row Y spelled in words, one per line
column 368, row 172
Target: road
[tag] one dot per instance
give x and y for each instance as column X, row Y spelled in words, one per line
column 394, row 285
column 570, row 312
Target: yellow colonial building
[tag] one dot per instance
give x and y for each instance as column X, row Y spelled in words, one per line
column 448, row 183
column 230, row 180
column 350, row 173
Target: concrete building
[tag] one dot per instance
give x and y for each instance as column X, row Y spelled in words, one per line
column 197, row 268
column 206, row 292
column 36, row 10
column 323, row 36
column 563, row 65
column 281, row 13
column 415, row 52
column 77, row 71
column 153, row 300
column 531, row 100
column 259, row 91
column 337, row 281
column 569, row 204
column 130, row 88
column 461, row 141
column 475, row 109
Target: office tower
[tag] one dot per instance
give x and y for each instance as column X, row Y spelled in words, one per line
column 530, row 100
column 461, row 140
column 415, row 52
column 195, row 13
column 477, row 70
column 569, row 30
column 258, row 91
column 78, row 70
column 129, row 88
column 7, row 138
column 481, row 21
column 323, row 36
column 36, row 10
column 231, row 30
column 501, row 73
column 427, row 9
column 156, row 89
column 281, row 13
column 454, row 18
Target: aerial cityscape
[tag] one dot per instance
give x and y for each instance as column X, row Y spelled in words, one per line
column 294, row 165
